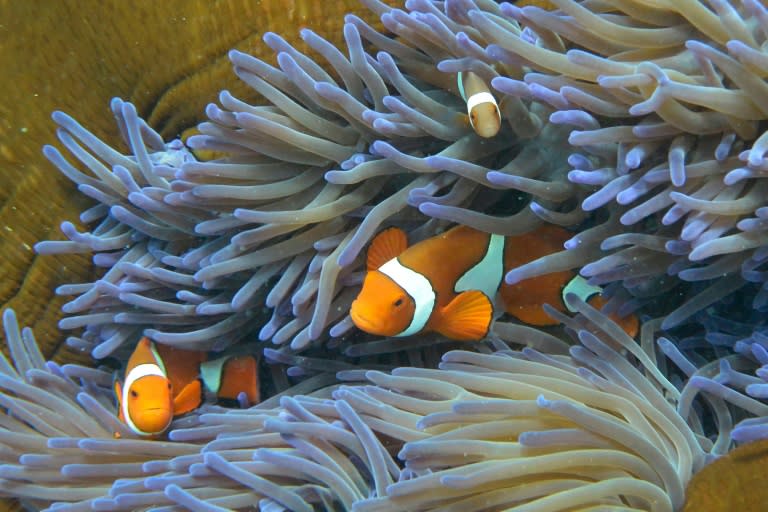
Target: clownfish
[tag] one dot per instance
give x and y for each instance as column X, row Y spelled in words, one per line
column 483, row 111
column 163, row 382
column 447, row 283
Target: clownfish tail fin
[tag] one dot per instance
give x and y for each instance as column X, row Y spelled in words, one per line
column 388, row 244
column 467, row 317
column 240, row 375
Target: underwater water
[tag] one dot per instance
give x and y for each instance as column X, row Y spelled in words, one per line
column 636, row 128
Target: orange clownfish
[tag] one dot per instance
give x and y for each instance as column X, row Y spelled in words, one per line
column 447, row 283
column 163, row 382
column 483, row 111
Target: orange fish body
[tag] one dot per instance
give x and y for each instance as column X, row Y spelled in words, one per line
column 163, row 382
column 447, row 283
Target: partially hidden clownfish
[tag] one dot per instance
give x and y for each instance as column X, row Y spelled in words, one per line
column 483, row 111
column 163, row 382
column 447, row 283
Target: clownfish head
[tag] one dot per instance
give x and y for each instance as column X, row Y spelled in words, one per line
column 382, row 307
column 484, row 116
column 145, row 398
column 483, row 111
column 148, row 404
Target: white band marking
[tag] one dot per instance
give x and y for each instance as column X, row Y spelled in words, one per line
column 460, row 81
column 486, row 274
column 581, row 288
column 418, row 287
column 212, row 373
column 478, row 98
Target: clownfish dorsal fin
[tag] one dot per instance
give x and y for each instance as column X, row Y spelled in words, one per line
column 144, row 353
column 387, row 245
column 188, row 398
column 467, row 317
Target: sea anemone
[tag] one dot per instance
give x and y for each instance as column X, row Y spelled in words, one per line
column 195, row 248
column 505, row 429
column 666, row 105
column 740, row 379
column 635, row 126
column 651, row 110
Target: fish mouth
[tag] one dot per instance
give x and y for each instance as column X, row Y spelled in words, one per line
column 364, row 323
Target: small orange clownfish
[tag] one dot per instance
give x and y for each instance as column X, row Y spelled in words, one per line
column 483, row 111
column 447, row 283
column 163, row 382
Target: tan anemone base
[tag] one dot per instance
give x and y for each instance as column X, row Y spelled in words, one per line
column 168, row 58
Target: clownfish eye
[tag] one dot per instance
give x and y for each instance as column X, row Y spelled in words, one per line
column 169, row 385
column 134, row 393
column 399, row 302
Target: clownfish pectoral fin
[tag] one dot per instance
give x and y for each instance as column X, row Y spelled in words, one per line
column 388, row 244
column 467, row 317
column 118, row 388
column 188, row 398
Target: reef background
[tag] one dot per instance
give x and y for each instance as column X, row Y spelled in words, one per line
column 168, row 58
